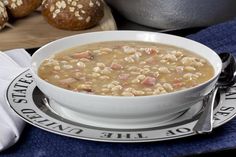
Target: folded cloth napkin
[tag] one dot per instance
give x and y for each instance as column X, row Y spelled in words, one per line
column 12, row 63
column 36, row 142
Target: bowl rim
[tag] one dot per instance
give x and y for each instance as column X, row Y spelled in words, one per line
column 35, row 74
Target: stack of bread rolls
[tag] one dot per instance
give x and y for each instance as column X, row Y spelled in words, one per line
column 62, row 14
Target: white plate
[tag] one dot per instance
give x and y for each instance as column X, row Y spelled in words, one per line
column 26, row 100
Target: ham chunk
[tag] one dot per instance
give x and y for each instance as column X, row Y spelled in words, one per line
column 85, row 54
column 116, row 66
column 153, row 51
column 149, row 81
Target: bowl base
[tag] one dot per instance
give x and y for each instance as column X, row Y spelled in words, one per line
column 111, row 122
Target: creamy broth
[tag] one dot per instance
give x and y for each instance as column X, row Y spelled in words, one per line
column 126, row 68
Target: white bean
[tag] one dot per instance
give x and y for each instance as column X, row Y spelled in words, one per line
column 57, row 67
column 135, row 81
column 138, row 92
column 102, row 65
column 67, row 66
column 164, row 70
column 168, row 87
column 96, row 74
column 116, row 88
column 170, row 57
column 81, row 64
column 104, row 77
column 127, row 94
column 96, row 69
column 141, row 77
column 189, row 68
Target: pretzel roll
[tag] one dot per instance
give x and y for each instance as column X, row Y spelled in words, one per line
column 3, row 15
column 21, row 8
column 73, row 14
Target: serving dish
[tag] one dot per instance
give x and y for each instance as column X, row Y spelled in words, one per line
column 123, row 112
column 34, row 111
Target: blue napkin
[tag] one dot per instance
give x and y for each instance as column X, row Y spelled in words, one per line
column 35, row 142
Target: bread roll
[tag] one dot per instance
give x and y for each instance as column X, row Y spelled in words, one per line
column 21, row 8
column 73, row 14
column 3, row 15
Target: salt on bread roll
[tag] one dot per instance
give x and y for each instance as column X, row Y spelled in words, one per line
column 21, row 8
column 73, row 14
column 3, row 15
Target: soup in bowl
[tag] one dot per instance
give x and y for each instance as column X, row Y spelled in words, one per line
column 124, row 79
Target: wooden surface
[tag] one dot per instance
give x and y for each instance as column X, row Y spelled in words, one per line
column 34, row 31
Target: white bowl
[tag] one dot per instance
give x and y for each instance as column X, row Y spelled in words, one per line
column 119, row 111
